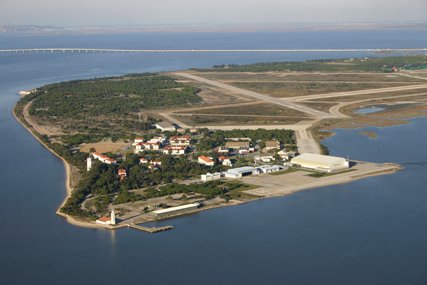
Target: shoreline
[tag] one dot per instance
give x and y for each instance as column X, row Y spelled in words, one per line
column 85, row 224
column 68, row 178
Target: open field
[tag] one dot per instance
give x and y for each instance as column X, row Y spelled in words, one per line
column 294, row 89
column 308, row 76
column 105, row 146
column 372, row 96
column 201, row 120
column 278, row 185
column 253, row 109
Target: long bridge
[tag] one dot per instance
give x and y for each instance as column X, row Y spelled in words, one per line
column 109, row 50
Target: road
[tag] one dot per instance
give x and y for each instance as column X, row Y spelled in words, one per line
column 358, row 92
column 280, row 102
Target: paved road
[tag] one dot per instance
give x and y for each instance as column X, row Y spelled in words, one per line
column 358, row 92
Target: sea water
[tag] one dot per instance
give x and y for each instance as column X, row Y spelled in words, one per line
column 372, row 231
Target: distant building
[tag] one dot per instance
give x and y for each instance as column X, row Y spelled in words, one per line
column 162, row 213
column 174, row 150
column 111, row 220
column 156, row 162
column 143, row 160
column 147, row 146
column 237, row 144
column 246, row 150
column 165, row 127
column 137, row 141
column 271, row 145
column 180, row 131
column 210, row 176
column 208, row 161
column 270, row 168
column 225, row 161
column 223, row 150
column 103, row 158
column 320, row 162
column 263, row 158
column 286, row 155
column 180, row 140
column 241, row 171
column 122, row 173
column 89, row 163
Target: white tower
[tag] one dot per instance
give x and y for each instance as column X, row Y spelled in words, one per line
column 113, row 218
column 89, row 163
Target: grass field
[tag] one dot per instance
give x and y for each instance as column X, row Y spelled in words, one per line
column 294, row 89
column 312, row 77
column 193, row 120
column 261, row 109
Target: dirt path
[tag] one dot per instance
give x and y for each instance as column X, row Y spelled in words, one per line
column 43, row 130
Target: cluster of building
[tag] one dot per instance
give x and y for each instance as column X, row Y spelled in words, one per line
column 176, row 145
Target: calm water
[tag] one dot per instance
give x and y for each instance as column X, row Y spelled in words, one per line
column 372, row 231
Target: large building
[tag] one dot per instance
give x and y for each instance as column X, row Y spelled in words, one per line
column 324, row 163
column 165, row 126
column 241, row 171
column 162, row 213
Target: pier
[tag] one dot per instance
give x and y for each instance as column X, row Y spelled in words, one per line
column 108, row 50
column 151, row 230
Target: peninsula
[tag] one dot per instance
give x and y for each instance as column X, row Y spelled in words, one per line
column 144, row 147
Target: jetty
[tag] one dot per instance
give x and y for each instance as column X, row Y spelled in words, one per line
column 151, row 230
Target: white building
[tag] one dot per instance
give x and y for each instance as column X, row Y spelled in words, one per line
column 175, row 210
column 147, row 146
column 286, row 155
column 143, row 160
column 318, row 162
column 225, row 161
column 264, row 158
column 165, row 126
column 89, row 163
column 174, row 150
column 103, row 158
column 111, row 220
column 241, row 171
column 210, row 176
column 208, row 161
column 270, row 168
column 180, row 140
column 271, row 145
column 137, row 141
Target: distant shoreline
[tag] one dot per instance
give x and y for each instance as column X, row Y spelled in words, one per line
column 211, row 28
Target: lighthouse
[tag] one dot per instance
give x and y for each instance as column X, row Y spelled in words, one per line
column 113, row 218
column 89, row 163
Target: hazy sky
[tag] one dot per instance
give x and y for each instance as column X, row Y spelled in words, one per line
column 140, row 12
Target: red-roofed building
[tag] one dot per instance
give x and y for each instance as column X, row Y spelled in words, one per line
column 180, row 140
column 143, row 160
column 147, row 146
column 206, row 160
column 225, row 160
column 103, row 158
column 122, row 172
column 138, row 140
column 174, row 150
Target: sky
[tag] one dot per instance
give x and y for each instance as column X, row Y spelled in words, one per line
column 167, row 12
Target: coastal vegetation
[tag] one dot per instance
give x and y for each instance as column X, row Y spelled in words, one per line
column 377, row 64
column 212, row 139
column 112, row 107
